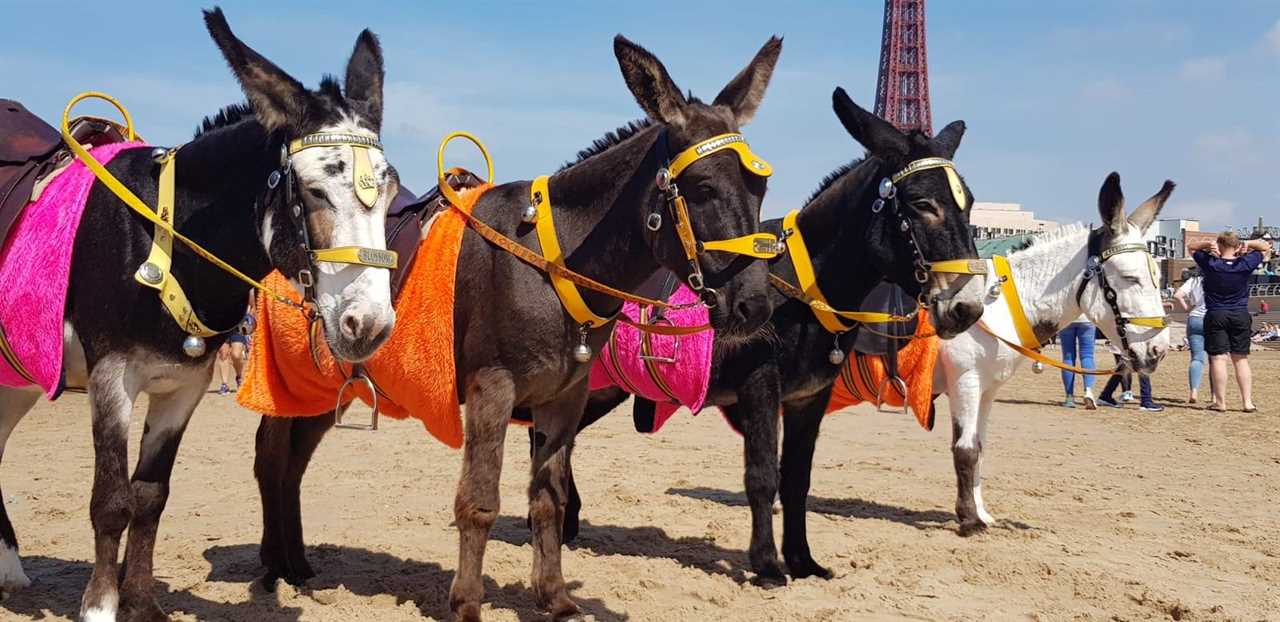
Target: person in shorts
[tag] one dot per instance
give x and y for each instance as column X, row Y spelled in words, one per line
column 1227, row 323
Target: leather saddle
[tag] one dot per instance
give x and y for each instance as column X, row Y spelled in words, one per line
column 406, row 217
column 31, row 149
column 871, row 338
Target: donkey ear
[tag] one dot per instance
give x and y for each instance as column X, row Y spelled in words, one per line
column 948, row 140
column 365, row 77
column 277, row 98
column 1147, row 212
column 745, row 91
column 876, row 134
column 648, row 80
column 1111, row 203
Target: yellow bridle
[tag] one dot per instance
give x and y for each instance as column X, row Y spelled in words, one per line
column 155, row 272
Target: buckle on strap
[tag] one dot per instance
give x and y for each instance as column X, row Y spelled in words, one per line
column 757, row 245
column 357, row 255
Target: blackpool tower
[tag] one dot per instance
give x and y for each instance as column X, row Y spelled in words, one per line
column 902, row 88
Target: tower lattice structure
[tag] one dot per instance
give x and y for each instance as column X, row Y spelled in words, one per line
column 902, row 88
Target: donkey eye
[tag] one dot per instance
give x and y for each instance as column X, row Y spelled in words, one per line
column 927, row 206
column 318, row 193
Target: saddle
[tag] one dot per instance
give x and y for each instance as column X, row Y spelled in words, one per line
column 406, row 217
column 30, row 150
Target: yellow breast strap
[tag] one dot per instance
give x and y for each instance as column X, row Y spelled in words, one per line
column 1026, row 334
column 827, row 315
column 156, row 271
column 570, row 297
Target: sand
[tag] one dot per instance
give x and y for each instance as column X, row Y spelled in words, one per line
column 1103, row 515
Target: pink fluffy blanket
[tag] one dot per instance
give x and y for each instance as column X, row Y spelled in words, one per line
column 35, row 266
column 672, row 371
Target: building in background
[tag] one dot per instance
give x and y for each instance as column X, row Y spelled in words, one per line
column 1001, row 220
column 1167, row 239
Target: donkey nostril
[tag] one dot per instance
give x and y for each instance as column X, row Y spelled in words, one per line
column 350, row 325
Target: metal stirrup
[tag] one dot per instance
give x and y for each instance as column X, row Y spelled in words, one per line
column 358, row 375
column 906, row 395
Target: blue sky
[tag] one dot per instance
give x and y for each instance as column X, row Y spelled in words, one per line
column 1055, row 94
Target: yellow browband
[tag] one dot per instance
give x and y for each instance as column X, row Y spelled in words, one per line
column 953, row 178
column 155, row 273
column 362, row 177
column 733, row 141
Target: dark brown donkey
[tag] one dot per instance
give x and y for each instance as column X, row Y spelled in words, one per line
column 854, row 246
column 513, row 339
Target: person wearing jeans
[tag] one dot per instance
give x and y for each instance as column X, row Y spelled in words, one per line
column 1077, row 349
column 1191, row 297
column 1122, row 379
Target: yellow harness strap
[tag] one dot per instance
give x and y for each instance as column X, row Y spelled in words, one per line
column 828, row 316
column 1026, row 334
column 155, row 272
column 570, row 297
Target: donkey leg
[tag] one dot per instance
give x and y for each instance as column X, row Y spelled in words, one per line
column 599, row 404
column 966, row 447
column 984, row 412
column 758, row 410
column 283, row 451
column 112, row 391
column 555, row 426
column 271, row 459
column 490, row 396
column 14, row 405
column 167, row 417
column 305, row 438
column 800, row 434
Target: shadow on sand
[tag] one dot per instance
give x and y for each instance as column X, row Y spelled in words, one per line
column 368, row 573
column 851, row 508
column 648, row 542
column 57, row 584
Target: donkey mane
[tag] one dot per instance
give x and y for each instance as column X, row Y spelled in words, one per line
column 1041, row 240
column 834, row 176
column 609, row 140
column 230, row 115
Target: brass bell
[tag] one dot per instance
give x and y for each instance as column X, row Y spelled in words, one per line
column 887, row 191
column 994, row 291
column 530, row 214
column 1037, row 367
column 582, row 353
column 158, row 154
column 836, row 355
column 193, row 346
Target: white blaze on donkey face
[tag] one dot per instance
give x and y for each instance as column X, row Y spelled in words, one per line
column 354, row 301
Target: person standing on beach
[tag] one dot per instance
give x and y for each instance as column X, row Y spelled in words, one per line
column 1191, row 298
column 1227, row 323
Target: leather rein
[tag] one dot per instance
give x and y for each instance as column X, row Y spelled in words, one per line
column 566, row 281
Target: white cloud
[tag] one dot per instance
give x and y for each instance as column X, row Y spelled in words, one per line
column 1272, row 39
column 1207, row 69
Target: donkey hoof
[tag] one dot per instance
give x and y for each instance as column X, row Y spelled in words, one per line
column 770, row 574
column 562, row 608
column 140, row 609
column 467, row 612
column 971, row 527
column 805, row 568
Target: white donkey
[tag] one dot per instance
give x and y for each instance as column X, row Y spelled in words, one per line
column 1105, row 273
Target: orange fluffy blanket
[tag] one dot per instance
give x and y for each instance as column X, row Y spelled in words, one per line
column 414, row 369
column 863, row 375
